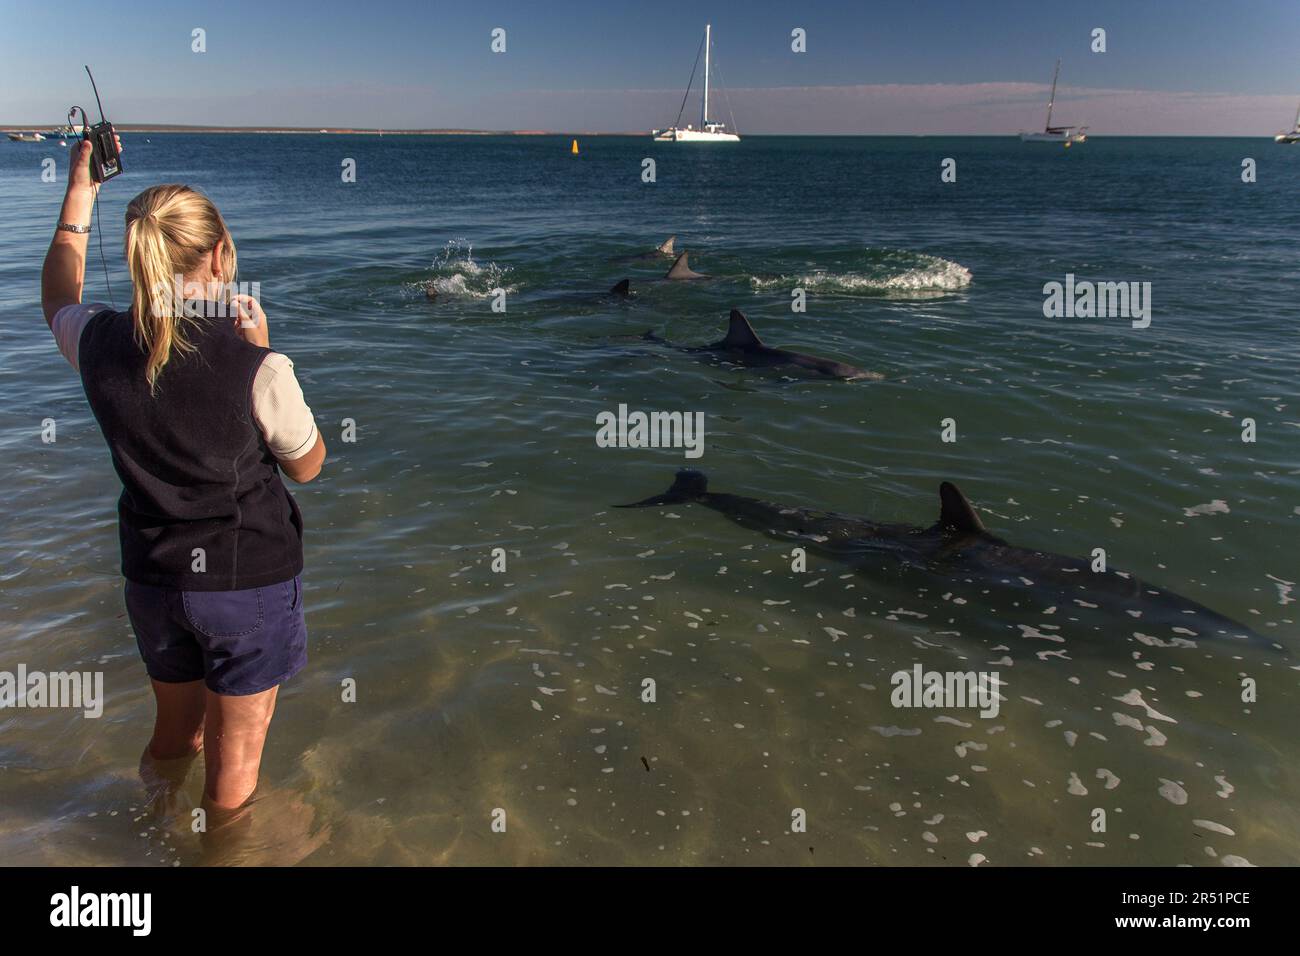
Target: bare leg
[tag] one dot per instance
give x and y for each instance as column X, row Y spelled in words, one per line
column 272, row 828
column 178, row 723
column 226, row 838
column 177, row 738
column 233, row 738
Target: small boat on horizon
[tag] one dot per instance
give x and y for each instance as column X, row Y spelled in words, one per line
column 32, row 137
column 1292, row 135
column 1067, row 135
column 708, row 132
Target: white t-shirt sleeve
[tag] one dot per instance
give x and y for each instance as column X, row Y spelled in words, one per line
column 68, row 324
column 280, row 409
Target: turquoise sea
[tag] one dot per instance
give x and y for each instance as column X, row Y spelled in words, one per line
column 520, row 693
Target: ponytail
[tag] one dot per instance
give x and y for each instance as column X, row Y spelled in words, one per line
column 170, row 230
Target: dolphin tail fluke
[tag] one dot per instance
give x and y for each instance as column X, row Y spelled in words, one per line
column 623, row 287
column 687, row 486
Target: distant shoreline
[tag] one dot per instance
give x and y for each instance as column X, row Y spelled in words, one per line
column 290, row 130
column 348, row 131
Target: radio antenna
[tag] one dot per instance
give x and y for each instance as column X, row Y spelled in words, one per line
column 96, row 89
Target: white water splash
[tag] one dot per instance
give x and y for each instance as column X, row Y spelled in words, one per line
column 457, row 275
column 902, row 274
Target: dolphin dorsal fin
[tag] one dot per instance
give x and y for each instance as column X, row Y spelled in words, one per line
column 682, row 267
column 740, row 334
column 956, row 512
column 666, row 247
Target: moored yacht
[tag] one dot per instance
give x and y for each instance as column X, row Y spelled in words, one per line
column 1067, row 135
column 1291, row 135
column 708, row 131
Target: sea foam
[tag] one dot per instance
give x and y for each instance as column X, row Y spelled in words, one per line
column 887, row 272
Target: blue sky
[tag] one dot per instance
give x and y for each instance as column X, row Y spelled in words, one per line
column 907, row 66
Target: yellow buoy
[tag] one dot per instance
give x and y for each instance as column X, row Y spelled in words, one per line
column 575, row 148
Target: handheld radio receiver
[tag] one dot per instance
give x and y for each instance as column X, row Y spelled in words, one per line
column 105, row 160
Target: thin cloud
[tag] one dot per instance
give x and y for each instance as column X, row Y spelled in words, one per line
column 936, row 109
column 880, row 109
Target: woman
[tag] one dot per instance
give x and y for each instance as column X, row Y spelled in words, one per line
column 200, row 417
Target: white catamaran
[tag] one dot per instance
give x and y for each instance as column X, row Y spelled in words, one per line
column 1291, row 135
column 708, row 132
column 1056, row 134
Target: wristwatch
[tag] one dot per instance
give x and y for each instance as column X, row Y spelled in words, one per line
column 71, row 227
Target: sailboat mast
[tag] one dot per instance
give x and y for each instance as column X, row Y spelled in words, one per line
column 704, row 109
column 1052, row 98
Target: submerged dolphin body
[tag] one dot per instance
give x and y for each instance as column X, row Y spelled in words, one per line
column 742, row 346
column 681, row 269
column 959, row 548
column 620, row 290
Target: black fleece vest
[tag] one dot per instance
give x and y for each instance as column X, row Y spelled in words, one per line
column 195, row 470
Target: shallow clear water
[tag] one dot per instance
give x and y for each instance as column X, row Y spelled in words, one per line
column 475, row 430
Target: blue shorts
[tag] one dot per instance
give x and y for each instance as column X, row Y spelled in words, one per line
column 237, row 642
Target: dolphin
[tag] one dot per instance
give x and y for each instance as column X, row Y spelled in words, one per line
column 681, row 269
column 957, row 547
column 742, row 346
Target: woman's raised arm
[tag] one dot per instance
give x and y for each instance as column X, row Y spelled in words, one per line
column 65, row 262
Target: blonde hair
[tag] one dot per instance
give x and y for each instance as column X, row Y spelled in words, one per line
column 170, row 230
